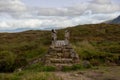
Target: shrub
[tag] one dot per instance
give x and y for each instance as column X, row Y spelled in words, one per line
column 20, row 61
column 7, row 60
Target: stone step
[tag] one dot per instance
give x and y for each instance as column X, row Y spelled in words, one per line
column 60, row 65
column 61, row 60
column 60, row 48
column 60, row 55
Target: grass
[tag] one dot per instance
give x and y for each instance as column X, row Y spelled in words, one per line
column 39, row 67
column 96, row 43
column 29, row 75
column 76, row 67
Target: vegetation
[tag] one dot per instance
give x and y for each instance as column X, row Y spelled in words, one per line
column 29, row 75
column 75, row 67
column 7, row 60
column 40, row 68
column 99, row 44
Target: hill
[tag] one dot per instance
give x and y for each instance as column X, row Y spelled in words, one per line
column 97, row 43
column 115, row 21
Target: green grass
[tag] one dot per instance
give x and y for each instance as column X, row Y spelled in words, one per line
column 76, row 67
column 29, row 75
column 39, row 67
column 97, row 43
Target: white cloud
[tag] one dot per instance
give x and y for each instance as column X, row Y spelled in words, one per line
column 103, row 6
column 15, row 15
column 11, row 6
column 101, row 1
column 96, row 6
column 54, row 22
column 17, row 8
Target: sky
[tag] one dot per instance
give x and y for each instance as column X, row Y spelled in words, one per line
column 20, row 15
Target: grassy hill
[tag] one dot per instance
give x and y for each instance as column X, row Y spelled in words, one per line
column 97, row 43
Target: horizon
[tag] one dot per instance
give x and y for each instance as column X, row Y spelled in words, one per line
column 22, row 15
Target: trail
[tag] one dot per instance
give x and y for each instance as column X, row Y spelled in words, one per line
column 71, row 76
column 102, row 73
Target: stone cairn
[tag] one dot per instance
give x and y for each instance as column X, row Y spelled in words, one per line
column 61, row 52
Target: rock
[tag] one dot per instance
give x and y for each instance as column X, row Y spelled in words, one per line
column 86, row 64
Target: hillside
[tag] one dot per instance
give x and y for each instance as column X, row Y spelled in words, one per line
column 90, row 42
column 96, row 33
column 115, row 21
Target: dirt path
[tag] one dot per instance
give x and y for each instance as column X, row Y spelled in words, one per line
column 102, row 73
column 71, row 76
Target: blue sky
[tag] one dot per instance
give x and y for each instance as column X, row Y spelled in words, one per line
column 17, row 15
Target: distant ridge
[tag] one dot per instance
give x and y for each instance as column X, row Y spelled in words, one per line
column 114, row 21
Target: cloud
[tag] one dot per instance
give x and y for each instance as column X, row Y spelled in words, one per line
column 11, row 6
column 15, row 15
column 103, row 6
column 45, row 22
column 95, row 6
column 65, row 11
column 101, row 1
column 16, row 8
